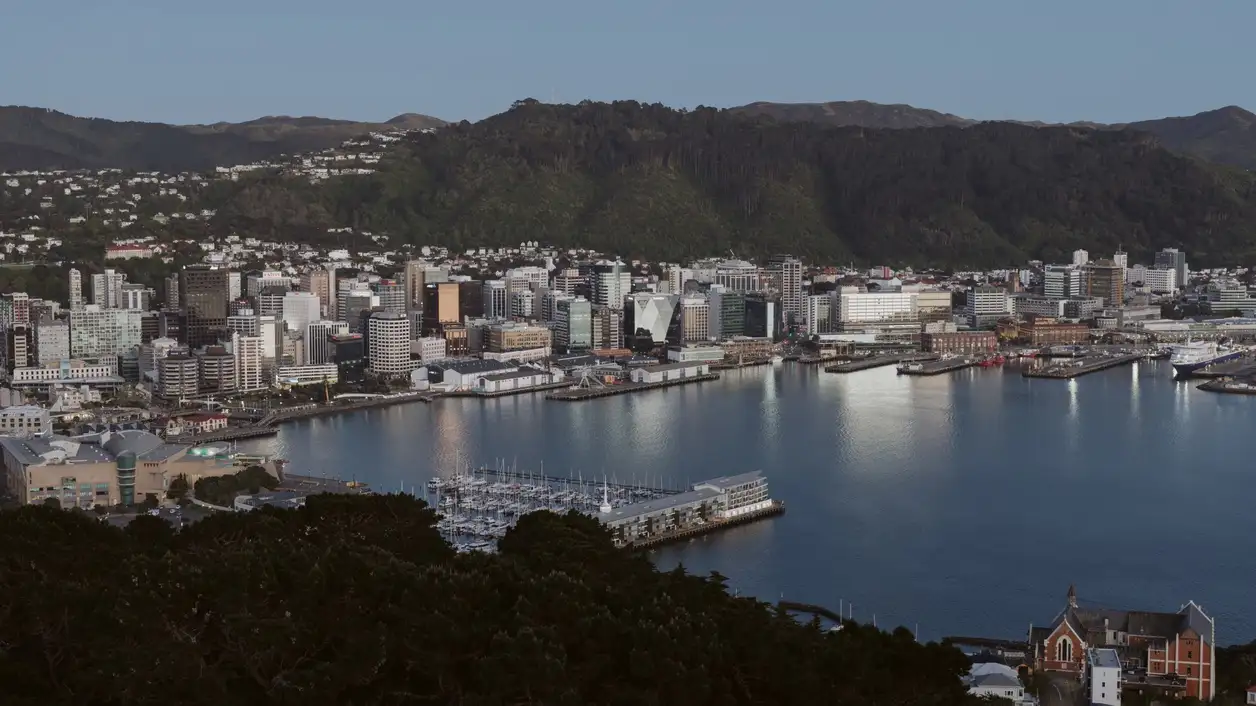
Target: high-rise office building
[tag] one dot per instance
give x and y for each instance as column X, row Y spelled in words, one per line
column 573, row 324
column 496, row 303
column 1061, row 281
column 611, row 281
column 235, row 285
column 299, row 310
column 318, row 347
column 133, row 296
column 76, row 289
column 440, row 305
column 470, row 300
column 785, row 274
column 356, row 302
column 107, row 289
column 523, row 304
column 1106, row 280
column 695, row 319
column 986, row 305
column 1174, row 259
column 817, row 314
column 608, row 327
column 1080, row 258
column 391, row 294
column 349, row 355
column 413, row 277
column 172, row 292
column 762, row 320
column 651, row 312
column 548, row 307
column 728, row 312
column 99, row 333
column 319, row 283
column 52, row 340
column 388, row 344
column 203, row 295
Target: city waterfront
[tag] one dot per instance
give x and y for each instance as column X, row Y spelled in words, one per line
column 965, row 503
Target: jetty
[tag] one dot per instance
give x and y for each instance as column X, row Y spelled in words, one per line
column 577, row 394
column 1229, row 386
column 937, row 367
column 878, row 361
column 1077, row 367
column 691, row 531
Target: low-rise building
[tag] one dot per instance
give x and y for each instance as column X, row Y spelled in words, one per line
column 25, row 420
column 960, row 342
column 695, row 353
column 522, row 379
column 716, row 500
column 747, row 348
column 1050, row 332
column 507, row 337
column 205, row 423
column 1103, row 677
column 994, row 680
column 669, row 372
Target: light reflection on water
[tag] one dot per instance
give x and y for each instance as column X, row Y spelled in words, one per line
column 966, row 502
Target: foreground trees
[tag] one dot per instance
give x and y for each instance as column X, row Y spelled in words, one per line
column 357, row 600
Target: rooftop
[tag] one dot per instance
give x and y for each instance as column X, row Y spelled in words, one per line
column 524, row 373
column 1105, row 659
column 727, row 482
column 673, row 366
column 664, row 503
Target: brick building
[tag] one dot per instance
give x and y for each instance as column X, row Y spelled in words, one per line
column 965, row 342
column 1051, row 332
column 1167, row 653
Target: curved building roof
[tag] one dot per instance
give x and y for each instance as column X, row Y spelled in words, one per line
column 136, row 441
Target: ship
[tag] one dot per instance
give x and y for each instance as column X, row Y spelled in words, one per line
column 1193, row 356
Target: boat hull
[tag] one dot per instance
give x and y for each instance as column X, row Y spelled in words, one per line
column 1183, row 369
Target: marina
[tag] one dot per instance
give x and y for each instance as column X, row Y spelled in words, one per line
column 479, row 506
column 1076, row 367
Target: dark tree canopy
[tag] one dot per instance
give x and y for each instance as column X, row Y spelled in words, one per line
column 357, row 600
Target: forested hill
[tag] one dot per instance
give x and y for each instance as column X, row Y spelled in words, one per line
column 356, row 601
column 647, row 180
column 35, row 138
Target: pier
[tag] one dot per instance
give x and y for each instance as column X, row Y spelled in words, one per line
column 878, row 361
column 937, row 367
column 1081, row 366
column 1241, row 368
column 714, row 525
column 228, row 434
column 506, row 393
column 576, row 394
column 508, row 475
column 1228, row 386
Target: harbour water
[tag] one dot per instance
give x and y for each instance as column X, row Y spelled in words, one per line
column 964, row 503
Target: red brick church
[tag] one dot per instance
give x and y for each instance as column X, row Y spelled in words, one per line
column 1167, row 652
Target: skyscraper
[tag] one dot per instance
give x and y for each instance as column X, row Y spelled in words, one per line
column 785, row 273
column 203, row 294
column 76, row 289
column 611, row 281
column 496, row 304
column 440, row 305
column 392, row 295
column 107, row 289
column 414, row 279
column 319, row 349
column 388, row 344
column 1104, row 279
column 319, row 283
column 1173, row 259
column 300, row 309
column 573, row 328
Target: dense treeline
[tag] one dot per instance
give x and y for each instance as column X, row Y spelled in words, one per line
column 356, row 600
column 647, row 180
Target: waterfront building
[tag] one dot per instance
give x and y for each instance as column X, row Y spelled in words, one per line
column 856, row 306
column 608, row 328
column 429, row 349
column 178, row 377
column 1025, row 305
column 349, row 356
column 299, row 310
column 1046, row 331
column 1082, row 307
column 785, row 274
column 986, row 305
column 1174, row 259
column 76, row 289
column 308, row 374
column 747, row 348
column 695, row 319
column 573, row 324
column 1060, row 281
column 388, row 344
column 496, row 303
column 652, row 313
column 1226, row 296
column 25, row 421
column 699, row 353
column 611, row 281
column 203, row 295
column 818, row 314
column 522, row 379
column 725, row 499
column 1162, row 644
column 762, row 320
column 457, row 339
column 933, row 305
column 107, row 469
column 507, row 337
column 670, row 372
column 962, row 342
column 462, row 374
column 101, row 373
column 728, row 312
column 1105, row 280
column 52, row 340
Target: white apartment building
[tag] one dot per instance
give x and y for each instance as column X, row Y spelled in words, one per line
column 250, row 362
column 1080, row 257
column 388, row 344
column 67, row 370
column 1103, row 677
column 429, row 349
column 76, row 289
column 96, row 332
column 856, row 306
column 786, row 274
column 52, row 341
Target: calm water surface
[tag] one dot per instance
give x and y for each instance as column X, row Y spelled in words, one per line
column 964, row 503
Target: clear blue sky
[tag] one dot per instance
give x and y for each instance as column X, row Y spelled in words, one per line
column 1057, row 60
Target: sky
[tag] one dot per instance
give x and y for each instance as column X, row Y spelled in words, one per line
column 180, row 61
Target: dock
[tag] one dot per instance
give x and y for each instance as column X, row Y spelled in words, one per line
column 1229, row 386
column 512, row 476
column 506, row 393
column 577, row 394
column 777, row 508
column 937, row 367
column 1241, row 368
column 1080, row 366
column 228, row 434
column 878, row 361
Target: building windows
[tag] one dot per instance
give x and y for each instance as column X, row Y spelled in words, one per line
column 1189, row 654
column 1064, row 650
column 1188, row 670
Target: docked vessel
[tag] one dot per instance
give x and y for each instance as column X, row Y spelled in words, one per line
column 1197, row 355
column 776, row 360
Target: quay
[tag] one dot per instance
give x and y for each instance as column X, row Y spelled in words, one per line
column 1080, row 366
column 281, row 415
column 506, row 393
column 937, row 367
column 689, row 532
column 576, row 394
column 878, row 361
column 1241, row 368
column 1229, row 386
column 228, row 434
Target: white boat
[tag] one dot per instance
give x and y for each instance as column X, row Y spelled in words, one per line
column 776, row 360
column 1196, row 355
